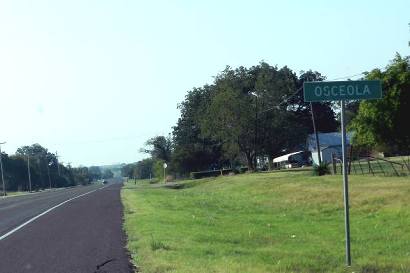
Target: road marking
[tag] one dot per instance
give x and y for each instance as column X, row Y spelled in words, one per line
column 45, row 212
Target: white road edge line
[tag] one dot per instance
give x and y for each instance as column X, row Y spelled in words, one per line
column 45, row 212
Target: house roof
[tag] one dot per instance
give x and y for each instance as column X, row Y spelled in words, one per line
column 284, row 157
column 326, row 140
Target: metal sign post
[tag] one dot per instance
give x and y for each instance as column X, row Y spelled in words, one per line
column 345, row 184
column 341, row 91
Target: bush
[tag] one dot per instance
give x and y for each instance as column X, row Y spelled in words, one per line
column 321, row 169
column 158, row 169
column 203, row 174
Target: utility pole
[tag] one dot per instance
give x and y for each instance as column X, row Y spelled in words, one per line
column 319, row 157
column 1, row 166
column 48, row 172
column 256, row 135
column 256, row 129
column 28, row 171
column 58, row 164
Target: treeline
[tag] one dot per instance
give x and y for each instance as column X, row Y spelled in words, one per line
column 45, row 170
column 242, row 115
column 259, row 113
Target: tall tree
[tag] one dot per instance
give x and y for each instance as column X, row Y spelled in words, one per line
column 108, row 174
column 278, row 128
column 144, row 168
column 325, row 117
column 94, row 173
column 44, row 166
column 192, row 150
column 230, row 117
column 383, row 124
column 159, row 147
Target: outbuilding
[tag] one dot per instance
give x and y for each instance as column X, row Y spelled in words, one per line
column 330, row 143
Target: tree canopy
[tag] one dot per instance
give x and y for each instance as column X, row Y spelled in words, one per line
column 244, row 114
column 45, row 170
column 259, row 112
column 383, row 123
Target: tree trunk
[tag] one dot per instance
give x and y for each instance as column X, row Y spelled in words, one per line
column 250, row 161
column 270, row 163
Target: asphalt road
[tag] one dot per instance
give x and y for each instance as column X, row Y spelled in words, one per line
column 80, row 236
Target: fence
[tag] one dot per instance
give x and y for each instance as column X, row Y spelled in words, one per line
column 396, row 166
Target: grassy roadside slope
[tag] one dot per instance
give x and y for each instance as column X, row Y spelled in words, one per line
column 270, row 222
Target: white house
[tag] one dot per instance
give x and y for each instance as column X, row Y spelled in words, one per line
column 330, row 143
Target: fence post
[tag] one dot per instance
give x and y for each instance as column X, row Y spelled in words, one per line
column 406, row 164
column 354, row 168
column 334, row 164
column 370, row 167
column 360, row 166
column 380, row 166
column 397, row 173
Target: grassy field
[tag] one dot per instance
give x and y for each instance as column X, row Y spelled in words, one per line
column 15, row 193
column 269, row 222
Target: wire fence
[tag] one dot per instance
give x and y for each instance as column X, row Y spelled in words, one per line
column 395, row 166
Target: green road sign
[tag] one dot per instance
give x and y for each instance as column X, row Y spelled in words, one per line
column 342, row 90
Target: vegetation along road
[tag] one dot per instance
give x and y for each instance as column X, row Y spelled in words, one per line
column 78, row 236
column 268, row 222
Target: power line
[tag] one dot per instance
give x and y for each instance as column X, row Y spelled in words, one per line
column 348, row 77
column 300, row 88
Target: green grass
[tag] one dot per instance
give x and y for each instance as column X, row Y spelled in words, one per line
column 269, row 222
column 15, row 193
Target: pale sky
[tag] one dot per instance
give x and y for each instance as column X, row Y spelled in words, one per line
column 94, row 80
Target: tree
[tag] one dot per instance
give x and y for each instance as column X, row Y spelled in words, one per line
column 246, row 113
column 94, row 173
column 192, row 150
column 159, row 147
column 43, row 167
column 144, row 168
column 43, row 170
column 15, row 172
column 108, row 174
column 128, row 170
column 81, row 175
column 249, row 112
column 279, row 128
column 383, row 124
column 230, row 117
column 325, row 117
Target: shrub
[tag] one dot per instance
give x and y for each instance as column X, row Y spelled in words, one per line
column 158, row 170
column 169, row 178
column 321, row 169
column 203, row 174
